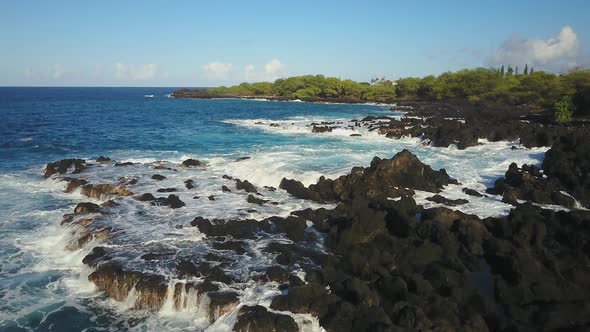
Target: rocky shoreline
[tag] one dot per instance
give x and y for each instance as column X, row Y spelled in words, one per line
column 202, row 94
column 378, row 261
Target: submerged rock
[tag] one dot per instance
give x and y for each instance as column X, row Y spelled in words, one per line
column 157, row 255
column 88, row 234
column 254, row 200
column 187, row 268
column 443, row 200
column 145, row 197
column 63, row 166
column 237, row 246
column 166, row 190
column 321, row 129
column 100, row 191
column 238, row 229
column 158, row 177
column 74, row 184
column 258, row 318
column 171, row 201
column 245, row 185
column 472, row 192
column 190, row 184
column 97, row 255
column 221, row 303
column 193, row 163
column 86, row 207
column 126, row 163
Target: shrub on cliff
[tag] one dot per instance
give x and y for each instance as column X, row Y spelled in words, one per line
column 563, row 110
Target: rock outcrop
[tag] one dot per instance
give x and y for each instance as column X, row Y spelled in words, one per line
column 258, row 318
column 385, row 178
column 64, row 166
column 193, row 163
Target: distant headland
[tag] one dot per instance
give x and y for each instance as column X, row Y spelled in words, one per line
column 566, row 95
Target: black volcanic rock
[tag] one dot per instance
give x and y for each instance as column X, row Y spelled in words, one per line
column 98, row 254
column 385, row 178
column 254, row 200
column 189, row 184
column 86, row 207
column 450, row 202
column 103, row 159
column 166, row 190
column 321, row 129
column 298, row 190
column 126, row 163
column 533, row 256
column 528, row 183
column 193, row 163
column 146, row 197
column 472, row 192
column 238, row 229
column 73, row 184
column 171, row 201
column 117, row 282
column 568, row 161
column 62, row 167
column 258, row 318
column 245, row 185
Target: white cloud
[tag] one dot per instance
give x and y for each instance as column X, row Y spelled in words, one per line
column 550, row 53
column 274, row 69
column 226, row 72
column 56, row 71
column 249, row 72
column 269, row 72
column 135, row 73
column 52, row 72
column 28, row 72
column 217, row 70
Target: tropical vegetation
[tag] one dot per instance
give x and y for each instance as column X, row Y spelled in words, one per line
column 534, row 90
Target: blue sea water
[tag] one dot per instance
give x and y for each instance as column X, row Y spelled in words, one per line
column 44, row 288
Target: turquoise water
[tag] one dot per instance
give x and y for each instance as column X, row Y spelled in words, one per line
column 43, row 287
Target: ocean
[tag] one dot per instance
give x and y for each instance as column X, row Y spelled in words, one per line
column 45, row 287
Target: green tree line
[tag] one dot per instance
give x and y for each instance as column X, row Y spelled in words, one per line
column 313, row 86
column 537, row 90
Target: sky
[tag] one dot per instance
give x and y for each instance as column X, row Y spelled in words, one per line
column 211, row 43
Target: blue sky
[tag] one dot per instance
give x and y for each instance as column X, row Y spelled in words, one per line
column 206, row 43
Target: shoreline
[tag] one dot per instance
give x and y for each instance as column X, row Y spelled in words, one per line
column 201, row 94
column 353, row 229
column 359, row 251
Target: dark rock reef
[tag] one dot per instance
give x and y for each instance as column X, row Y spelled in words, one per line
column 564, row 177
column 375, row 263
column 63, row 166
column 443, row 124
column 383, row 179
